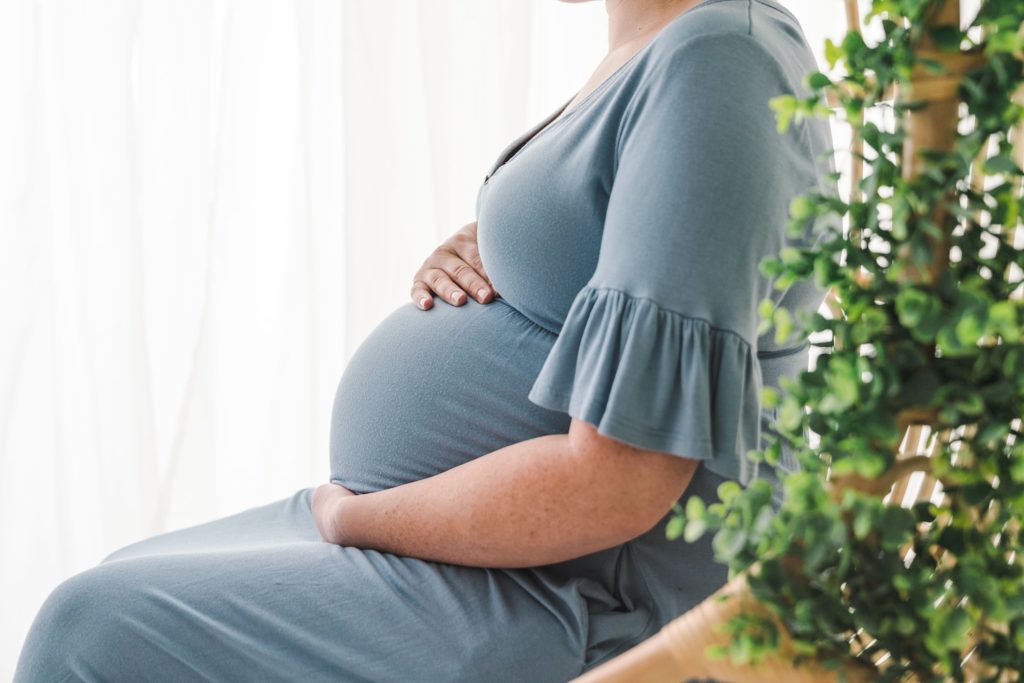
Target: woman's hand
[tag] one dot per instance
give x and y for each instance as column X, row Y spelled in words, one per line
column 325, row 509
column 453, row 270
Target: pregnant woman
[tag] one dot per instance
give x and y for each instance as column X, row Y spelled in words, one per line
column 502, row 462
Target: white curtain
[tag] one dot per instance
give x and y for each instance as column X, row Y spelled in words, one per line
column 205, row 205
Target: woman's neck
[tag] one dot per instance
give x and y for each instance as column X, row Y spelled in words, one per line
column 634, row 21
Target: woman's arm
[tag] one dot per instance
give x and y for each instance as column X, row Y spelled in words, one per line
column 539, row 501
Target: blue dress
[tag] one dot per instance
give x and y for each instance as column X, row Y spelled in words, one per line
column 624, row 239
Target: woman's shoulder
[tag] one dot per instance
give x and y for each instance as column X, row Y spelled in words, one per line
column 719, row 58
column 730, row 31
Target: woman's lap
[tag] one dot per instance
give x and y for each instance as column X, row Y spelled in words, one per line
column 283, row 522
column 258, row 596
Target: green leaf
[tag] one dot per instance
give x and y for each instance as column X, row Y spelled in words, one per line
column 865, row 464
column 790, row 256
column 1001, row 163
column 728, row 543
column 896, row 524
column 844, row 383
column 695, row 528
column 727, row 490
column 782, row 319
column 802, row 207
column 911, row 306
column 863, row 521
column 949, row 630
column 674, row 528
column 763, row 520
column 695, row 508
column 1004, row 41
column 1017, row 466
column 791, row 414
column 769, row 266
column 969, row 329
column 947, row 38
column 833, row 53
column 784, row 107
column 1002, row 321
column 817, row 80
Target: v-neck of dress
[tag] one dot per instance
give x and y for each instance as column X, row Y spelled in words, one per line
column 513, row 148
column 552, row 120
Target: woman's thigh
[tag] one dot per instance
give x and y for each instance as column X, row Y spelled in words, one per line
column 306, row 611
column 281, row 522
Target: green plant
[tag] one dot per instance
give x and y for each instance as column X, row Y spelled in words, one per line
column 931, row 338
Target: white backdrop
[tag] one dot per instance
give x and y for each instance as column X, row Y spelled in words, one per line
column 205, row 205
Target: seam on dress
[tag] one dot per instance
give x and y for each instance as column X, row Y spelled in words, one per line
column 585, row 635
column 773, row 354
column 778, row 8
column 615, row 420
column 684, row 316
column 705, row 4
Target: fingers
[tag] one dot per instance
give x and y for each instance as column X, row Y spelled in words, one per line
column 438, row 281
column 454, row 271
column 470, row 281
column 421, row 296
column 465, row 246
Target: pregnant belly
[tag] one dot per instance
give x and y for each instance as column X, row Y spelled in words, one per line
column 429, row 390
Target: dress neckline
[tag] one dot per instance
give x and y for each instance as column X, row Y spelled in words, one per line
column 552, row 120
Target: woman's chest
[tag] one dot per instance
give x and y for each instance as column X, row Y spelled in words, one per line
column 540, row 214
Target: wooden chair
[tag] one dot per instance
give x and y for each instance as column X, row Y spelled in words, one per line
column 678, row 652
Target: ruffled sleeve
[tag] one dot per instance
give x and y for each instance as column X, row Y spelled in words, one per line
column 656, row 379
column 659, row 349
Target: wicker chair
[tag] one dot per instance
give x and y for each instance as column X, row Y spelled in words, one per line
column 678, row 651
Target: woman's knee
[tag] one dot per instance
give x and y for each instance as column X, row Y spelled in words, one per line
column 78, row 633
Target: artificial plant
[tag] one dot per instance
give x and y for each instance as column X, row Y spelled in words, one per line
column 927, row 350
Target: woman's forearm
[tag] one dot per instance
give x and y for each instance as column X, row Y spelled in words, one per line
column 535, row 502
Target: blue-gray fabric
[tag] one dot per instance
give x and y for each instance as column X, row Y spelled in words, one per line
column 624, row 239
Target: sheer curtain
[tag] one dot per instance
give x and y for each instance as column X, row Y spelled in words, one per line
column 205, row 205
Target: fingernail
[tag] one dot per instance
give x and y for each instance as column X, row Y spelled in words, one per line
column 423, row 301
column 457, row 297
column 482, row 293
